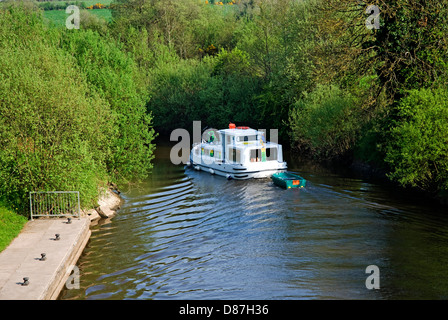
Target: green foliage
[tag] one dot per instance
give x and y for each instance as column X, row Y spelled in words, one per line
column 369, row 147
column 232, row 62
column 417, row 151
column 258, row 68
column 214, row 27
column 408, row 51
column 53, row 128
column 411, row 44
column 116, row 77
column 96, row 20
column 386, row 124
column 280, row 39
column 72, row 112
column 212, row 90
column 239, row 87
column 185, row 26
column 59, row 5
column 174, row 86
column 62, row 5
column 326, row 122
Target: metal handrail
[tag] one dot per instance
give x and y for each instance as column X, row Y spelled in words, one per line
column 54, row 204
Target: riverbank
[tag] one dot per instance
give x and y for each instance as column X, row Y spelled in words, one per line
column 46, row 277
column 372, row 173
column 108, row 203
column 368, row 171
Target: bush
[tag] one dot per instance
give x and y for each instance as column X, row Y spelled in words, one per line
column 325, row 123
column 175, row 86
column 67, row 121
column 417, row 150
column 54, row 130
column 215, row 90
column 117, row 78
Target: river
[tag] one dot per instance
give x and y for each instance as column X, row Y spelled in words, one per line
column 183, row 234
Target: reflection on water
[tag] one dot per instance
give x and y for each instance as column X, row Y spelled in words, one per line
column 190, row 235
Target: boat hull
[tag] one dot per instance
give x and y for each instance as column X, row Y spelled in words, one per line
column 238, row 172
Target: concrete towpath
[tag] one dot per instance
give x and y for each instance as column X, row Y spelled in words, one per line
column 46, row 278
column 22, row 258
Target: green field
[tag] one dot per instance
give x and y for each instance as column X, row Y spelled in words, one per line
column 58, row 17
column 87, row 3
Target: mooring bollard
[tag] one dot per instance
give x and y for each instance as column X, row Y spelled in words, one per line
column 57, row 236
column 25, row 281
column 69, row 220
column 43, row 257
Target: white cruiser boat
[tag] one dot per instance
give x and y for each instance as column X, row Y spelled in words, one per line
column 237, row 153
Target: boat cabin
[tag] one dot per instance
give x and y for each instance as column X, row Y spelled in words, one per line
column 239, row 145
column 231, row 151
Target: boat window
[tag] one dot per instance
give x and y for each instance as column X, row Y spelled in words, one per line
column 256, row 155
column 208, row 152
column 247, row 138
column 271, row 154
column 234, row 155
column 197, row 151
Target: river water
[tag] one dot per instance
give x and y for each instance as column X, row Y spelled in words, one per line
column 184, row 234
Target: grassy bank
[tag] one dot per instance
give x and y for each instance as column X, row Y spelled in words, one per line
column 11, row 224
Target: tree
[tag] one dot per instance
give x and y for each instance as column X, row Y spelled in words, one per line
column 118, row 80
column 417, row 150
column 408, row 51
column 54, row 129
column 326, row 122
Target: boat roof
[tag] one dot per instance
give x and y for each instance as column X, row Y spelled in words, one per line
column 240, row 132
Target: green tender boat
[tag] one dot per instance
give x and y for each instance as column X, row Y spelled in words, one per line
column 288, row 180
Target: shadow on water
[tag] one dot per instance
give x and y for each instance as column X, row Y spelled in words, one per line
column 184, row 234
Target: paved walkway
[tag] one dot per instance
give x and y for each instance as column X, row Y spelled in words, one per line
column 46, row 277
